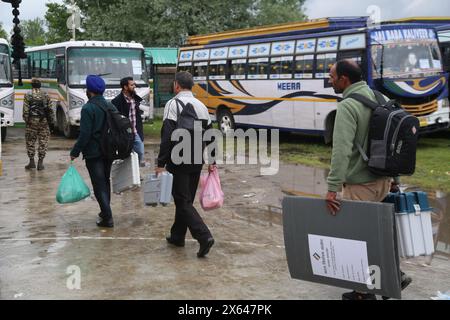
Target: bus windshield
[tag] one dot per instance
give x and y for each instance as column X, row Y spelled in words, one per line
column 5, row 66
column 406, row 59
column 112, row 64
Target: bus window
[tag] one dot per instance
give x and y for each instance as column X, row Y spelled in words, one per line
column 281, row 67
column 446, row 54
column 185, row 66
column 407, row 59
column 357, row 56
column 24, row 68
column 238, row 69
column 304, row 66
column 257, row 68
column 36, row 64
column 217, row 70
column 112, row 63
column 5, row 67
column 200, row 71
column 324, row 64
column 44, row 64
column 51, row 64
column 60, row 69
column 52, row 68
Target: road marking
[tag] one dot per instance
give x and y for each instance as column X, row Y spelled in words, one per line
column 130, row 239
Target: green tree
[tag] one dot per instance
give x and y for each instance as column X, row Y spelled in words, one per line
column 56, row 20
column 170, row 22
column 3, row 33
column 278, row 11
column 33, row 32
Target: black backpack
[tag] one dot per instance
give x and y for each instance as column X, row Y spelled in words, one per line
column 187, row 117
column 186, row 120
column 393, row 135
column 117, row 137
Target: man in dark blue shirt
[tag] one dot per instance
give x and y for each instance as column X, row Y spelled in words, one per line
column 89, row 143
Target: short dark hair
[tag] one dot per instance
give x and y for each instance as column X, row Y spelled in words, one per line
column 350, row 69
column 124, row 81
column 184, row 80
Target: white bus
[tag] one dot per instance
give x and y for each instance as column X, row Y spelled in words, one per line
column 278, row 76
column 6, row 89
column 63, row 68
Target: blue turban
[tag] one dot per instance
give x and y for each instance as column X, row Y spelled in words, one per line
column 95, row 84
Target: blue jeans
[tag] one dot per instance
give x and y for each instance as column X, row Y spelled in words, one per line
column 138, row 147
column 100, row 171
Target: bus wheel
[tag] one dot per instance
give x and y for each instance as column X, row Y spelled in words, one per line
column 59, row 120
column 68, row 130
column 3, row 134
column 226, row 121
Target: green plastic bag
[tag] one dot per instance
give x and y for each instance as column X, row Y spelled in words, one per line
column 72, row 187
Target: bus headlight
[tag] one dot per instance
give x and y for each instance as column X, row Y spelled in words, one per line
column 7, row 102
column 146, row 99
column 75, row 102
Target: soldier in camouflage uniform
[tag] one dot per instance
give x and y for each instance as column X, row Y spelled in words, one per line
column 38, row 117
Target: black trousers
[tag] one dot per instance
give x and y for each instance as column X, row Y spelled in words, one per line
column 100, row 171
column 186, row 216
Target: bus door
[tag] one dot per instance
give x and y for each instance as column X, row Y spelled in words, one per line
column 280, row 74
column 304, row 105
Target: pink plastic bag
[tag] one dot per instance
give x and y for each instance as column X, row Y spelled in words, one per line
column 211, row 195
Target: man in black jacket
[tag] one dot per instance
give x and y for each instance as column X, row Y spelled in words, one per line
column 185, row 175
column 128, row 102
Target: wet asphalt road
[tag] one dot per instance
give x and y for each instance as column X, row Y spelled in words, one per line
column 42, row 242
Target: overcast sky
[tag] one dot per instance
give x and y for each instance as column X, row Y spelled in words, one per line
column 388, row 9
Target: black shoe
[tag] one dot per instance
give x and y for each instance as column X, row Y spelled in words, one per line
column 101, row 215
column 105, row 223
column 175, row 242
column 406, row 281
column 40, row 165
column 358, row 296
column 31, row 165
column 205, row 246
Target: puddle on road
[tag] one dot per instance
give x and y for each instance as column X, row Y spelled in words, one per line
column 304, row 181
column 249, row 195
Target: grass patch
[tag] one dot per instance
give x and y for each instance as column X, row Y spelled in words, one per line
column 153, row 130
column 432, row 168
column 305, row 150
column 433, row 155
column 433, row 163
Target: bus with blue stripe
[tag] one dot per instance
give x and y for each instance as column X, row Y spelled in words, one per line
column 278, row 76
column 6, row 89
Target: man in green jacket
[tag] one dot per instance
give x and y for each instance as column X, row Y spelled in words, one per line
column 89, row 143
column 349, row 172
